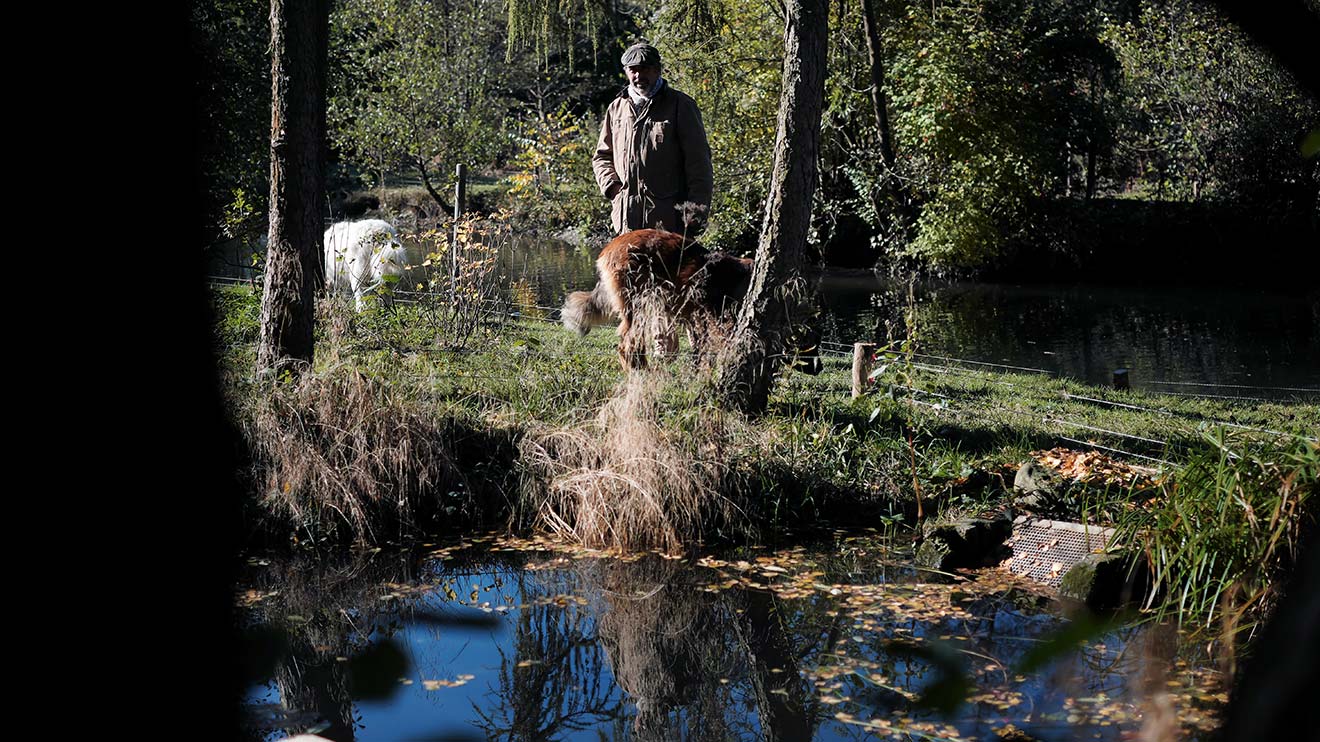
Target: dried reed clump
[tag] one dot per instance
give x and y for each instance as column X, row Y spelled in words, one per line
column 631, row 479
column 340, row 450
column 660, row 636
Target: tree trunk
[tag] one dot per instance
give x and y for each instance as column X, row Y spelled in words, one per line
column 1090, row 168
column 747, row 364
column 785, row 705
column 435, row 195
column 1097, row 116
column 299, row 31
column 897, row 191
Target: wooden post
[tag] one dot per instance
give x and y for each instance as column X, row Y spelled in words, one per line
column 460, row 195
column 460, row 191
column 1121, row 379
column 861, row 367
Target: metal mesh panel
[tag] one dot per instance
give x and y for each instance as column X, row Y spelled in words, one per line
column 1045, row 549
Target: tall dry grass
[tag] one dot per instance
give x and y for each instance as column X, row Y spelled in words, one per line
column 639, row 475
column 339, row 451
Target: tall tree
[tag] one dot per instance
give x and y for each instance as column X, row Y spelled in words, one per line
column 880, row 107
column 299, row 30
column 418, row 86
column 747, row 364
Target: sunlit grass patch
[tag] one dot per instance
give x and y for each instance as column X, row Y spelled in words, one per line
column 817, row 455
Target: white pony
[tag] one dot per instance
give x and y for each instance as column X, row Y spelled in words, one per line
column 358, row 255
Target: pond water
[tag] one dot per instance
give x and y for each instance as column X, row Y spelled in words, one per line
column 1225, row 342
column 498, row 639
column 1231, row 342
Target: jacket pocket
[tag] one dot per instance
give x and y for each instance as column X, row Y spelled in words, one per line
column 619, row 211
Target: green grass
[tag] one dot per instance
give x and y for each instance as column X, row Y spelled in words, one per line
column 817, row 453
column 1225, row 527
column 398, row 432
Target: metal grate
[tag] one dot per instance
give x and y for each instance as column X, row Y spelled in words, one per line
column 1045, row 549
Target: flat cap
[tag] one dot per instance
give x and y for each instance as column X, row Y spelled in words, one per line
column 641, row 54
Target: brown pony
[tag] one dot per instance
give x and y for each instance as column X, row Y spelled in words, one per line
column 690, row 285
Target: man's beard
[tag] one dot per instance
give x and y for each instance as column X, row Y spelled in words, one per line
column 648, row 91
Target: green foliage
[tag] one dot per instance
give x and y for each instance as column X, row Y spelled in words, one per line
column 996, row 107
column 1203, row 113
column 229, row 40
column 727, row 56
column 552, row 182
column 986, row 96
column 1227, row 526
column 548, row 26
column 416, row 85
column 237, row 311
column 240, row 216
column 1311, row 144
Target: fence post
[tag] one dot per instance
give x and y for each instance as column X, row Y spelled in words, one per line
column 460, row 191
column 460, row 195
column 1121, row 379
column 861, row 367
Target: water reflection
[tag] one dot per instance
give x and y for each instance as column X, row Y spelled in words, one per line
column 698, row 665
column 1163, row 334
column 553, row 679
column 309, row 635
column 1172, row 338
column 507, row 645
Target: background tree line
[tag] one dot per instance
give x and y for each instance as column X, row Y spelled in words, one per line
column 990, row 119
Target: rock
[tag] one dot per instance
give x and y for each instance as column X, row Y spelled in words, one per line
column 966, row 542
column 1035, row 484
column 933, row 554
column 573, row 236
column 1106, row 581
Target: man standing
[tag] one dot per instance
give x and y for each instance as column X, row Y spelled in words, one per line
column 652, row 154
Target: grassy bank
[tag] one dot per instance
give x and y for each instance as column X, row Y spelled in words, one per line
column 395, row 434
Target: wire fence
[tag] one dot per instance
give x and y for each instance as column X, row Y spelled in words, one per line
column 937, row 365
column 834, row 348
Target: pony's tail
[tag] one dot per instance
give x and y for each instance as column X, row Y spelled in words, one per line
column 584, row 310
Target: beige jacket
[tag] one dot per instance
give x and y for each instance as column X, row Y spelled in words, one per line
column 649, row 160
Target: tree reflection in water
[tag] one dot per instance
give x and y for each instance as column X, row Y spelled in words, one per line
column 652, row 656
column 556, row 680
column 314, row 610
column 648, row 648
column 666, row 644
